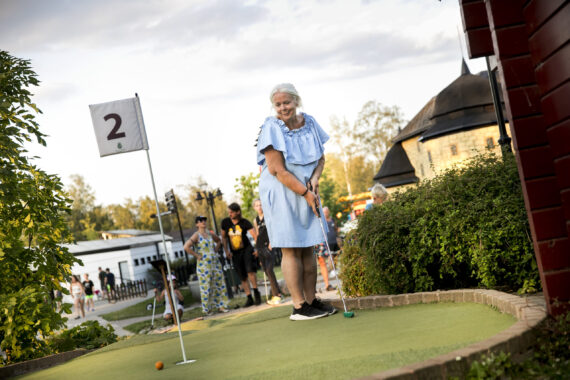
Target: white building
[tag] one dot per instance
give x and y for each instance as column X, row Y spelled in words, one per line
column 127, row 258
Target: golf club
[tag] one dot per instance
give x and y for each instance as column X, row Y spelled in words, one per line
column 265, row 283
column 347, row 314
column 153, row 308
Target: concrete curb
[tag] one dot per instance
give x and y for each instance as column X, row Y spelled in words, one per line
column 40, row 363
column 530, row 312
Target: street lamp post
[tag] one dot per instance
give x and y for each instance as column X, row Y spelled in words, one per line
column 210, row 198
column 173, row 209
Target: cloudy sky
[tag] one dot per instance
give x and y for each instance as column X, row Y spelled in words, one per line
column 203, row 70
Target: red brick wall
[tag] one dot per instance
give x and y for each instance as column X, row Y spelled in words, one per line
column 530, row 40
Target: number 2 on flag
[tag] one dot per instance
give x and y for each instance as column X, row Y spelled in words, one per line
column 114, row 135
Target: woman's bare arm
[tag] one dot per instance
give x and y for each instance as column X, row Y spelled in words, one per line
column 276, row 167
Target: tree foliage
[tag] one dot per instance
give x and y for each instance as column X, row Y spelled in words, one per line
column 86, row 219
column 363, row 145
column 247, row 188
column 32, row 228
column 374, row 129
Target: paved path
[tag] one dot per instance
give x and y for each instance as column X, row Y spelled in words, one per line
column 104, row 307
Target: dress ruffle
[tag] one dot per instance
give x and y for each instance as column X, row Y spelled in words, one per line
column 299, row 146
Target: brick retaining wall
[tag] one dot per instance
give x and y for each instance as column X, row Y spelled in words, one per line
column 530, row 312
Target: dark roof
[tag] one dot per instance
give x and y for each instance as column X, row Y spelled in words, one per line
column 465, row 104
column 99, row 246
column 396, row 169
column 418, row 124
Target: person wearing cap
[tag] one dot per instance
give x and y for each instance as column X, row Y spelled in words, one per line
column 177, row 299
column 204, row 247
column 290, row 149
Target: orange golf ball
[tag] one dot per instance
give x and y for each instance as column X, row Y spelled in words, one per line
column 159, row 365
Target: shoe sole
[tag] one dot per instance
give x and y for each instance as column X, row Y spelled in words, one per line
column 299, row 317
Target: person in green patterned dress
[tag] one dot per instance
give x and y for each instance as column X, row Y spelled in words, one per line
column 203, row 245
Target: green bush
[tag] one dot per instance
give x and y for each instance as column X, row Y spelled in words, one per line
column 88, row 335
column 466, row 227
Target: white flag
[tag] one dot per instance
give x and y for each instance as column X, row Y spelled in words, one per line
column 119, row 126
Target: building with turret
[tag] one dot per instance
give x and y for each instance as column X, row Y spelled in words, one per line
column 454, row 125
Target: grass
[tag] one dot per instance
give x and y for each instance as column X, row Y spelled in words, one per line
column 145, row 326
column 334, row 347
column 140, row 309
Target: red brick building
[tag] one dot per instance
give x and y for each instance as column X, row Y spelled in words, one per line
column 530, row 41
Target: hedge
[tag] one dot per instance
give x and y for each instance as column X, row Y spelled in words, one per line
column 465, row 228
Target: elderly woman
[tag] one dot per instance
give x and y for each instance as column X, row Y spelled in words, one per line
column 291, row 152
column 379, row 194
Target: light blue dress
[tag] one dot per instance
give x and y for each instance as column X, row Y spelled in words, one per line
column 290, row 221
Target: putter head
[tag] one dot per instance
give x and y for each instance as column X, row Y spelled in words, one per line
column 349, row 314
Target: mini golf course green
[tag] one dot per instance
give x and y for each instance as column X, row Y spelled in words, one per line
column 267, row 345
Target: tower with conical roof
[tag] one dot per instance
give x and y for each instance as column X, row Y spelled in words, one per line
column 456, row 124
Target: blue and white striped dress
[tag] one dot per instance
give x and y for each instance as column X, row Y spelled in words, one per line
column 290, row 221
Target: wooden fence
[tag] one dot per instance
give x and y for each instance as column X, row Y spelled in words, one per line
column 131, row 289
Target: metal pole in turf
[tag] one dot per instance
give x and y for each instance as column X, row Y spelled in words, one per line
column 119, row 128
column 347, row 314
column 173, row 307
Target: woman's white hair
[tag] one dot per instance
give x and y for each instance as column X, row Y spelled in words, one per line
column 286, row 88
column 379, row 191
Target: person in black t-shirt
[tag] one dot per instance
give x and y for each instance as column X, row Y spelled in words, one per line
column 110, row 283
column 240, row 251
column 263, row 246
column 88, row 285
column 102, row 277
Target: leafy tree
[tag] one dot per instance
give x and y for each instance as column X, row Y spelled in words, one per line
column 343, row 138
column 364, row 145
column 329, row 192
column 33, row 262
column 246, row 187
column 124, row 216
column 374, row 129
column 83, row 199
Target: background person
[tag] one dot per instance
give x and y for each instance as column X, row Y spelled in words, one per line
column 177, row 299
column 379, row 194
column 291, row 152
column 110, row 285
column 322, row 256
column 213, row 292
column 332, row 233
column 265, row 253
column 77, row 293
column 234, row 235
column 102, row 276
column 88, row 286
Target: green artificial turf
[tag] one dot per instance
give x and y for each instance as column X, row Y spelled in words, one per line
column 267, row 345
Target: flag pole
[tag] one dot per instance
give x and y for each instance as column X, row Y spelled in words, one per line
column 173, row 308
